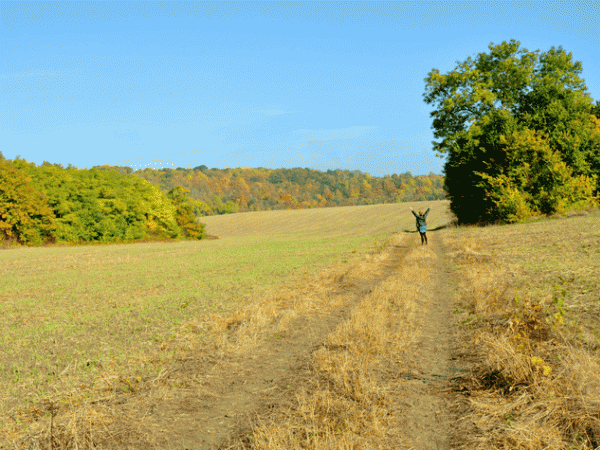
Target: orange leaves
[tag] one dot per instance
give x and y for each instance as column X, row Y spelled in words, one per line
column 286, row 200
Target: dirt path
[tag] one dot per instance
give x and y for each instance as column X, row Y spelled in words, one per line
column 429, row 365
column 232, row 390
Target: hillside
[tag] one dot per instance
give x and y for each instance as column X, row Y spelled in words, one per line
column 221, row 191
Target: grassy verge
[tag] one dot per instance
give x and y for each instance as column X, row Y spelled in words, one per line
column 527, row 292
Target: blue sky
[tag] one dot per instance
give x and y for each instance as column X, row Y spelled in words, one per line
column 323, row 85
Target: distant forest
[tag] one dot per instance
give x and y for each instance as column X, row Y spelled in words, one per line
column 51, row 204
column 222, row 191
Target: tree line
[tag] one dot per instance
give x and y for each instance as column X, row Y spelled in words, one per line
column 223, row 191
column 50, row 204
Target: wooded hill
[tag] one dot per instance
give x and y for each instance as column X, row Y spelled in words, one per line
column 221, row 191
column 107, row 204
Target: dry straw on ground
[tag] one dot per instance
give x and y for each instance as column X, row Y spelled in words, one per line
column 532, row 385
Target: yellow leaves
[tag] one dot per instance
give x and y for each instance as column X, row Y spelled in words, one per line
column 436, row 78
column 510, row 201
column 488, row 97
column 161, row 212
column 593, row 127
column 537, row 360
column 538, row 363
column 151, row 224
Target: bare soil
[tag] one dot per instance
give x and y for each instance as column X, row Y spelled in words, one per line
column 426, row 378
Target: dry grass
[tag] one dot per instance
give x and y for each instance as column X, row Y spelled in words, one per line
column 308, row 223
column 342, row 401
column 535, row 382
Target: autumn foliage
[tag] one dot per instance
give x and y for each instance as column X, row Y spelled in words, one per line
column 536, row 180
column 51, row 204
column 107, row 204
column 24, row 213
column 184, row 212
column 224, row 191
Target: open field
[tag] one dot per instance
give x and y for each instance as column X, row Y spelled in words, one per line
column 372, row 220
column 324, row 328
column 536, row 254
column 78, row 316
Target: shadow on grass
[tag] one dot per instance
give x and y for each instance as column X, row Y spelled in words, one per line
column 441, row 227
column 498, row 223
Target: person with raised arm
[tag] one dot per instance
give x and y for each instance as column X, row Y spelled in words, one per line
column 421, row 224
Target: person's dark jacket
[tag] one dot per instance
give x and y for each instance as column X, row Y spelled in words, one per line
column 421, row 218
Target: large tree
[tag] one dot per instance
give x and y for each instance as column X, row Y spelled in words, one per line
column 519, row 132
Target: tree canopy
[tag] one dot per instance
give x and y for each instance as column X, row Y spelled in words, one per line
column 51, row 204
column 24, row 212
column 519, row 131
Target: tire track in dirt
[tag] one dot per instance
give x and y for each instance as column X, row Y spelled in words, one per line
column 232, row 390
column 421, row 396
column 382, row 378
